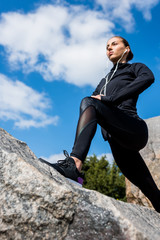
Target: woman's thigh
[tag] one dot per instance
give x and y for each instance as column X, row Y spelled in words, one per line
column 129, row 131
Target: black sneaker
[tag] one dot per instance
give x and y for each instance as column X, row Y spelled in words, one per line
column 67, row 168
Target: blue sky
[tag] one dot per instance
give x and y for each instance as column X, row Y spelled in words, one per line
column 52, row 55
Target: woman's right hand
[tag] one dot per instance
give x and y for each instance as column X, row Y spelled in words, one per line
column 96, row 97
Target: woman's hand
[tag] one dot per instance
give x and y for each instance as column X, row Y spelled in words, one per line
column 97, row 97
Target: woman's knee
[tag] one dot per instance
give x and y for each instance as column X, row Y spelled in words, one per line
column 85, row 103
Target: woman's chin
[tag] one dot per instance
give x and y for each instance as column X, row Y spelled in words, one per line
column 113, row 59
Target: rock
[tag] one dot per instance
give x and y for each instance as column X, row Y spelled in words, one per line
column 37, row 203
column 151, row 156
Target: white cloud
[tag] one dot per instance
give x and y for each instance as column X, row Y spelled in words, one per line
column 121, row 10
column 66, row 42
column 145, row 7
column 57, row 41
column 108, row 156
column 54, row 158
column 23, row 105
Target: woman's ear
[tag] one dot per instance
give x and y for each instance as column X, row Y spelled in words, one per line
column 128, row 49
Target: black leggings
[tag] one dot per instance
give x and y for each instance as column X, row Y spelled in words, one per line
column 127, row 131
column 126, row 136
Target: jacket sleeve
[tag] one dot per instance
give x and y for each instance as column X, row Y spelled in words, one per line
column 98, row 88
column 144, row 78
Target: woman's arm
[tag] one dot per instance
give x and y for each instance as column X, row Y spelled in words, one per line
column 98, row 88
column 97, row 97
column 96, row 93
column 144, row 78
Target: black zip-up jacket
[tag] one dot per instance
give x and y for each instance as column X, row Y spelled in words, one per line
column 124, row 88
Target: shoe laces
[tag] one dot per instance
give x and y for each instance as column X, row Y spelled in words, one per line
column 65, row 162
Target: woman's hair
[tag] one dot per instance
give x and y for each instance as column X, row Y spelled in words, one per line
column 130, row 54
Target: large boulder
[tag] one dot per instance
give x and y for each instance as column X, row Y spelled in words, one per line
column 36, row 202
column 151, row 156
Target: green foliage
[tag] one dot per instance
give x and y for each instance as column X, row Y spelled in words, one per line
column 103, row 177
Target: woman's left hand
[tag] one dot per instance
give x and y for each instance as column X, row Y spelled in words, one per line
column 97, row 97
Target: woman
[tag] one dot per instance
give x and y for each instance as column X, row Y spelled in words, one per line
column 113, row 106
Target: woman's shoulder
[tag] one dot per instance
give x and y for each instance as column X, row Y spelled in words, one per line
column 133, row 66
column 138, row 66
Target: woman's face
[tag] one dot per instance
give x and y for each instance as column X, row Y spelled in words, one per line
column 115, row 48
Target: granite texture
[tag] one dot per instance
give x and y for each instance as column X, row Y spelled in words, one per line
column 36, row 203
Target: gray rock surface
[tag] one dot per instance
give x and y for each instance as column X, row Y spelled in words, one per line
column 38, row 203
column 151, row 155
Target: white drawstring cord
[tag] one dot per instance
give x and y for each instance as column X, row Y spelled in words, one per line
column 108, row 80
